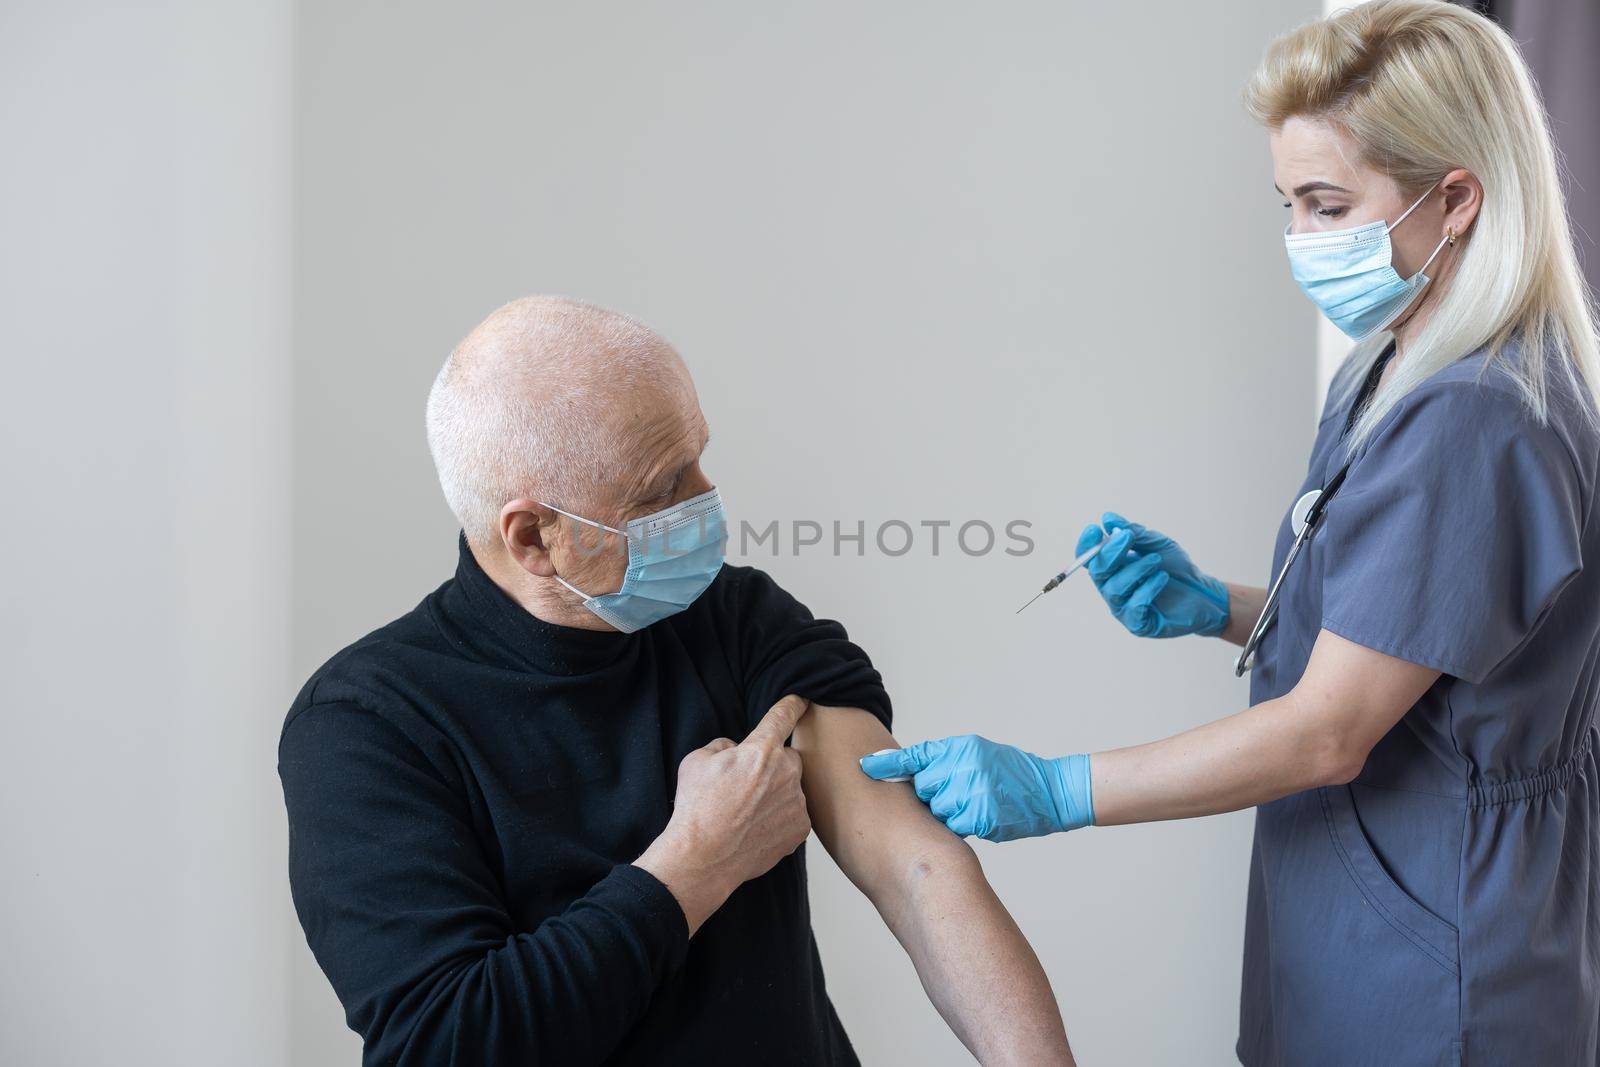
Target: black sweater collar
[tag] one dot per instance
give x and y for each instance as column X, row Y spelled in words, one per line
column 509, row 634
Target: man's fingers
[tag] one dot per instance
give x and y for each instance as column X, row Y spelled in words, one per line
column 717, row 744
column 778, row 723
column 901, row 762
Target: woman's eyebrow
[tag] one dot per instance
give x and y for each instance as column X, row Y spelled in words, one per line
column 1311, row 187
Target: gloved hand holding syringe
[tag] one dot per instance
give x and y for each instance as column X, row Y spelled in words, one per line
column 1148, row 581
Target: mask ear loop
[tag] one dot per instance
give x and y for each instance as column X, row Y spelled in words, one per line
column 1413, row 207
column 579, row 518
column 572, row 588
column 1448, row 239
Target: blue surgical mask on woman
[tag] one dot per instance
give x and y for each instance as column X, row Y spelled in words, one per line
column 673, row 556
column 1350, row 274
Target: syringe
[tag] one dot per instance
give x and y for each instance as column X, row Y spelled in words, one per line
column 1064, row 575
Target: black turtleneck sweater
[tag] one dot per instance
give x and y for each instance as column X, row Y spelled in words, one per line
column 467, row 788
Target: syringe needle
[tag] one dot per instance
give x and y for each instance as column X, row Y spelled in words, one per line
column 1036, row 596
column 1063, row 576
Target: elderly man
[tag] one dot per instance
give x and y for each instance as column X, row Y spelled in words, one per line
column 520, row 831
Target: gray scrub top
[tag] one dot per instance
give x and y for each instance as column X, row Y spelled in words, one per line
column 1443, row 908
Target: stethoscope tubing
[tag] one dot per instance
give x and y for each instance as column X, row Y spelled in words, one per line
column 1269, row 610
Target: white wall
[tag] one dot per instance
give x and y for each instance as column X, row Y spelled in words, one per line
column 926, row 261
column 144, row 647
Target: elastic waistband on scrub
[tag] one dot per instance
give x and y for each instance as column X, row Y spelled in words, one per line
column 1487, row 793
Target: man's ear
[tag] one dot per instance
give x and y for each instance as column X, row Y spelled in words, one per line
column 525, row 526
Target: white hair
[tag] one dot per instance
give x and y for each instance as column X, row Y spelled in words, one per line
column 1425, row 87
column 525, row 406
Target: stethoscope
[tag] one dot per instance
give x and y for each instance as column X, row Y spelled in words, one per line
column 1303, row 519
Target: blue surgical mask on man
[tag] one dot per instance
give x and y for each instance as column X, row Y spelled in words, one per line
column 673, row 556
column 1350, row 274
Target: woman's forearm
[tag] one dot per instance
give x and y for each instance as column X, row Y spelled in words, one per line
column 1257, row 755
column 1319, row 733
column 1244, row 604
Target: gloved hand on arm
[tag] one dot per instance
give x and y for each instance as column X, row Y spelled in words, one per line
column 1150, row 583
column 982, row 789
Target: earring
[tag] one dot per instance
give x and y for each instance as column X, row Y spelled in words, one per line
column 1451, row 230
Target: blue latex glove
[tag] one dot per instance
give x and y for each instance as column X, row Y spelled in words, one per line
column 1150, row 584
column 982, row 789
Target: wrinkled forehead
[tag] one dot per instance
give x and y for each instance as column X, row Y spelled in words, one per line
column 653, row 421
column 654, row 429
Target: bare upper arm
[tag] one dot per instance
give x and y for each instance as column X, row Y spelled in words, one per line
column 1356, row 694
column 877, row 832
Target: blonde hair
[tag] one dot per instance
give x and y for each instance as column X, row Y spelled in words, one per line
column 1425, row 87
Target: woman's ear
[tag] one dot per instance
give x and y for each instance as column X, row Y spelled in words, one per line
column 1463, row 196
column 526, row 527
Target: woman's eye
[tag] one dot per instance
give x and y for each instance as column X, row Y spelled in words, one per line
column 1287, row 204
column 1331, row 212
